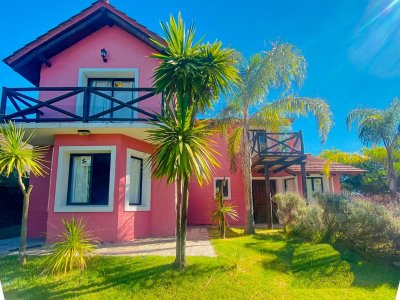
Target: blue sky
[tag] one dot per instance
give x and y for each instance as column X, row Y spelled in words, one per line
column 352, row 47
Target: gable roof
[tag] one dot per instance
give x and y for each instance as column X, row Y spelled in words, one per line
column 28, row 60
column 316, row 165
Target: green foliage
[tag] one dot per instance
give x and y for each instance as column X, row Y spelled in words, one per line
column 223, row 212
column 291, row 207
column 311, row 224
column 191, row 72
column 360, row 225
column 377, row 126
column 182, row 148
column 16, row 154
column 72, row 251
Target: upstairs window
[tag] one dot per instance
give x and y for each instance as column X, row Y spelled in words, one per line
column 99, row 103
column 89, row 179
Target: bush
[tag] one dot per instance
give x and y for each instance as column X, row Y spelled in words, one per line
column 366, row 227
column 291, row 207
column 311, row 224
column 370, row 228
column 222, row 212
column 72, row 251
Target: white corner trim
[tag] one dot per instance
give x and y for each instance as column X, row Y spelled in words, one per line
column 60, row 201
column 146, row 181
column 228, row 179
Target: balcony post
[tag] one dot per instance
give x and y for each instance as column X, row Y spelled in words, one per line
column 268, row 196
column 304, row 179
column 3, row 104
column 301, row 142
column 86, row 105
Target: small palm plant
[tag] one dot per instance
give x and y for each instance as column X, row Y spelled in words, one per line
column 72, row 251
column 18, row 157
column 223, row 212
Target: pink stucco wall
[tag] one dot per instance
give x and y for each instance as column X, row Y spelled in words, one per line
column 124, row 51
column 37, row 214
column 118, row 225
column 201, row 198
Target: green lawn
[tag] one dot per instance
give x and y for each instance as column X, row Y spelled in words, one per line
column 263, row 266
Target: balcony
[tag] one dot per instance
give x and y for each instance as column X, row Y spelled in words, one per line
column 50, row 111
column 80, row 104
column 276, row 151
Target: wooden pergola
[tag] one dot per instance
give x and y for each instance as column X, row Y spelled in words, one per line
column 275, row 152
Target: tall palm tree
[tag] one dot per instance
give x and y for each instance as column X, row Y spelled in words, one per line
column 376, row 126
column 17, row 155
column 191, row 75
column 281, row 69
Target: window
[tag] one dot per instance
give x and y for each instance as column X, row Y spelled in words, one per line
column 99, row 104
column 315, row 184
column 223, row 184
column 89, row 179
column 290, row 185
column 136, row 181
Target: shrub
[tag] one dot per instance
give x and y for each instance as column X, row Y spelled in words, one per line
column 370, row 228
column 291, row 207
column 72, row 251
column 311, row 224
column 366, row 227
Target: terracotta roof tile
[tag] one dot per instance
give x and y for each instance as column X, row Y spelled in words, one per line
column 316, row 165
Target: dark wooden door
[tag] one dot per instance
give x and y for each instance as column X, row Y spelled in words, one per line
column 260, row 200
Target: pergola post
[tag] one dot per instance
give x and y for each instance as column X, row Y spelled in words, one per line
column 304, row 179
column 268, row 195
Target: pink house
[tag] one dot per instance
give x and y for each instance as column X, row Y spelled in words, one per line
column 92, row 101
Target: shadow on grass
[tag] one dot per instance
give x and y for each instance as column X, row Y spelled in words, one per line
column 128, row 275
column 320, row 265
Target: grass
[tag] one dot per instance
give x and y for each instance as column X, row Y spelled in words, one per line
column 267, row 265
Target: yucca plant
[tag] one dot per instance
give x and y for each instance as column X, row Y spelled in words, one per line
column 18, row 157
column 223, row 211
column 191, row 75
column 72, row 251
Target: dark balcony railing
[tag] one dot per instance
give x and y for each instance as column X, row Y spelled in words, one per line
column 277, row 144
column 84, row 104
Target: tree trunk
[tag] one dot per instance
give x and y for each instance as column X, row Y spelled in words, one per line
column 248, row 193
column 184, row 215
column 24, row 222
column 391, row 176
column 223, row 227
column 178, row 222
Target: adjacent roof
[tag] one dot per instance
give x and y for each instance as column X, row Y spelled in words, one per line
column 28, row 60
column 316, row 165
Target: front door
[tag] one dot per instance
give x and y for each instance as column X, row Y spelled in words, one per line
column 260, row 200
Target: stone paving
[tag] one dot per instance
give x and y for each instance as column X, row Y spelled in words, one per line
column 198, row 244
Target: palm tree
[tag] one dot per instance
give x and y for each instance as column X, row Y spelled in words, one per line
column 17, row 155
column 377, row 126
column 278, row 69
column 191, row 75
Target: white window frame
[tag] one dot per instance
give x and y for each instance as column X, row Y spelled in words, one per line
column 146, row 181
column 86, row 73
column 64, row 154
column 228, row 179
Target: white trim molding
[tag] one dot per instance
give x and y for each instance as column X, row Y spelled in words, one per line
column 60, row 201
column 146, row 181
column 228, row 180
